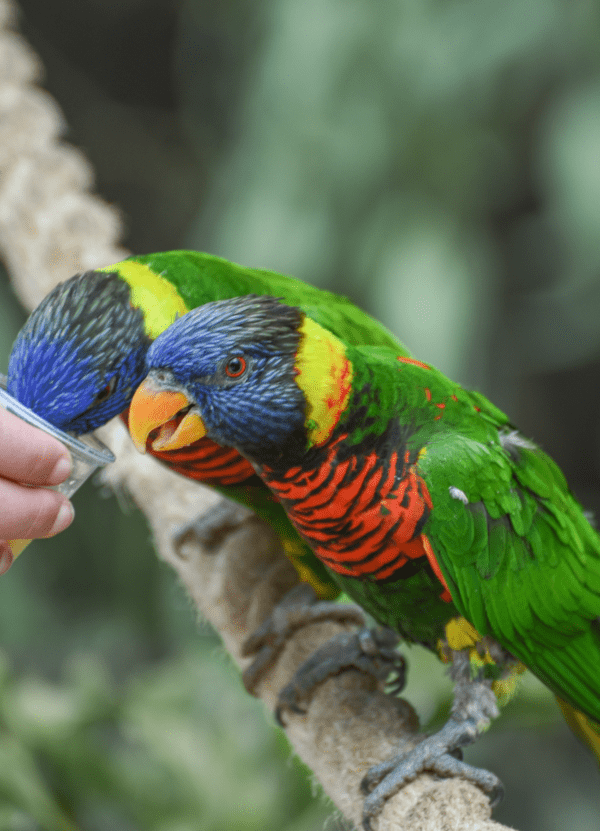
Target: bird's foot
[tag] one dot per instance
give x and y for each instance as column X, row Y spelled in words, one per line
column 211, row 528
column 370, row 650
column 299, row 607
column 473, row 708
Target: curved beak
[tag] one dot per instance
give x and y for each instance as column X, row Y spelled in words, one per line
column 153, row 408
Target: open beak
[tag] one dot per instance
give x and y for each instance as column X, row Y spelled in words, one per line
column 153, row 408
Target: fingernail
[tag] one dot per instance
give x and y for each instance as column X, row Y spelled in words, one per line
column 61, row 470
column 6, row 557
column 64, row 519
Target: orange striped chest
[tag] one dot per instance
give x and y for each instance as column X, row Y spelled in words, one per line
column 362, row 515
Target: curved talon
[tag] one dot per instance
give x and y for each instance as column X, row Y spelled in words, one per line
column 366, row 823
column 299, row 607
column 370, row 651
column 281, row 619
column 287, row 617
column 211, row 528
column 439, row 754
column 445, row 765
column 381, row 644
column 496, row 795
column 295, row 708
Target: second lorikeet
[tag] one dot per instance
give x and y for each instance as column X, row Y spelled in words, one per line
column 80, row 355
column 421, row 499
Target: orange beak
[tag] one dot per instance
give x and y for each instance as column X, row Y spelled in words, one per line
column 153, row 408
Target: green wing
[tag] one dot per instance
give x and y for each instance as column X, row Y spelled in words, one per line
column 521, row 560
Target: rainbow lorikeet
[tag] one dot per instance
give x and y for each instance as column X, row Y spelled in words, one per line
column 420, row 498
column 80, row 356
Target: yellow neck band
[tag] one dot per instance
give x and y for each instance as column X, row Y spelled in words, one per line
column 325, row 378
column 156, row 297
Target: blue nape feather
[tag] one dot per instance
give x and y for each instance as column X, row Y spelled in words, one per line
column 80, row 356
column 260, row 405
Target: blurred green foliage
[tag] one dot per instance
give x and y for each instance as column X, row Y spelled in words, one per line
column 436, row 160
column 153, row 752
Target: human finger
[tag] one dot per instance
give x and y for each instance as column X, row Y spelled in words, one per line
column 28, row 513
column 29, row 455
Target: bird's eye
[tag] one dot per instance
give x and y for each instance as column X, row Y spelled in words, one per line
column 235, row 366
column 107, row 391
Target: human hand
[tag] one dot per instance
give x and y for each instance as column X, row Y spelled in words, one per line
column 29, row 456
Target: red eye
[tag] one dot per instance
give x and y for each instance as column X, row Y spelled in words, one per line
column 107, row 391
column 235, row 367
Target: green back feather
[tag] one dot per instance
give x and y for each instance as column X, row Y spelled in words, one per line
column 521, row 559
column 201, row 278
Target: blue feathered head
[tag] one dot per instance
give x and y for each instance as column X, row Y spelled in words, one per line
column 80, row 356
column 230, row 365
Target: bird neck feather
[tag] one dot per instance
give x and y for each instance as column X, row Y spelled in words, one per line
column 155, row 296
column 324, row 374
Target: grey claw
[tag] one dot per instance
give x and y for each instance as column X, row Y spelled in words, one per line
column 211, row 528
column 281, row 622
column 496, row 795
column 445, row 766
column 440, row 754
column 370, row 651
column 298, row 608
column 295, row 708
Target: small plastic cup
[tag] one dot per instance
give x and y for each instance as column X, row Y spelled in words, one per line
column 88, row 454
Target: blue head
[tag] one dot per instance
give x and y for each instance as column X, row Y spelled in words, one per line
column 233, row 364
column 80, row 356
